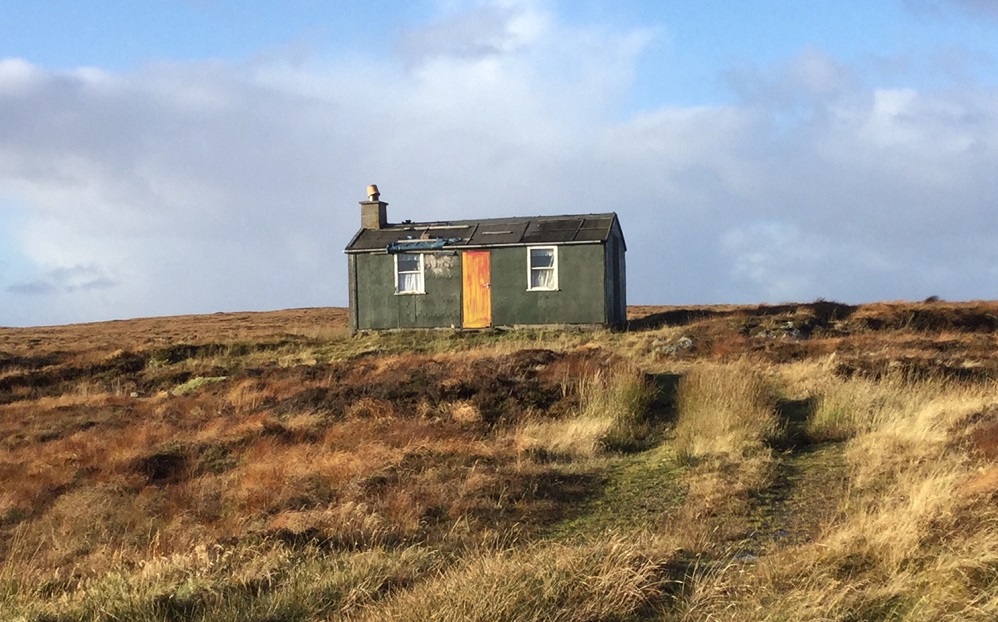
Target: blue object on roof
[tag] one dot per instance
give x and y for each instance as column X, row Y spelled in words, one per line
column 406, row 246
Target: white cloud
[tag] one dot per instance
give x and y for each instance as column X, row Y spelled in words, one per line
column 198, row 187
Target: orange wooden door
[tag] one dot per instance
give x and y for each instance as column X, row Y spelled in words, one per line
column 477, row 290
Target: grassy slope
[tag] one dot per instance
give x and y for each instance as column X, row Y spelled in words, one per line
column 816, row 461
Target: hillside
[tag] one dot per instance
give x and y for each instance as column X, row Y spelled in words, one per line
column 796, row 462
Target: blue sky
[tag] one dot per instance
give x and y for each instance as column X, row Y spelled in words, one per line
column 207, row 155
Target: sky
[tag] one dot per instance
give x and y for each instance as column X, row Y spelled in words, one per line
column 197, row 156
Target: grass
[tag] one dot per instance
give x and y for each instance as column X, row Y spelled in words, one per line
column 905, row 543
column 799, row 462
column 640, row 492
column 266, row 581
column 725, row 409
column 609, row 578
column 196, row 383
column 612, row 415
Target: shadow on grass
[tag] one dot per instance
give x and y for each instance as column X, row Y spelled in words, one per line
column 823, row 311
column 663, row 406
column 794, row 416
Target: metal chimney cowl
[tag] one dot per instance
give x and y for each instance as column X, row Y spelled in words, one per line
column 373, row 211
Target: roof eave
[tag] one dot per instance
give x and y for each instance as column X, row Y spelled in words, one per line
column 456, row 247
column 353, row 240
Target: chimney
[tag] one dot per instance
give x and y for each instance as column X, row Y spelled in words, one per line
column 373, row 212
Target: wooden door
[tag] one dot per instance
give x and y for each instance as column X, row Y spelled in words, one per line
column 477, row 289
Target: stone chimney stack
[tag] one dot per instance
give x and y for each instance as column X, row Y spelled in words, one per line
column 373, row 211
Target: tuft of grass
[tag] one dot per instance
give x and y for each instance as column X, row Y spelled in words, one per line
column 725, row 409
column 195, row 383
column 248, row 582
column 853, row 406
column 612, row 416
column 609, row 578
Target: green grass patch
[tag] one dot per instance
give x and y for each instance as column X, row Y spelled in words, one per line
column 196, row 383
column 640, row 491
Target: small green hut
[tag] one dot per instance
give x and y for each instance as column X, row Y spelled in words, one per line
column 539, row 270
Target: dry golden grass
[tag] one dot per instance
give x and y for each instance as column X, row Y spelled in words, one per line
column 606, row 579
column 97, row 339
column 911, row 541
column 725, row 409
column 611, row 415
column 821, row 462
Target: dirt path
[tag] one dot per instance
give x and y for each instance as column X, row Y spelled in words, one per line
column 802, row 499
column 640, row 491
column 647, row 491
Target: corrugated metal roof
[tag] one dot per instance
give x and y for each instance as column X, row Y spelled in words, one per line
column 492, row 232
column 498, row 233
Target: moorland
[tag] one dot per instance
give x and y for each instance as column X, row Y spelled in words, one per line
column 815, row 461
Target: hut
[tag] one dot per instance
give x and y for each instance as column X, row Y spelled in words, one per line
column 480, row 273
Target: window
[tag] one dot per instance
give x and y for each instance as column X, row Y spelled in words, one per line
column 542, row 268
column 408, row 273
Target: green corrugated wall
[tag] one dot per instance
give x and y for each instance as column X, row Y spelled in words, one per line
column 378, row 307
column 582, row 296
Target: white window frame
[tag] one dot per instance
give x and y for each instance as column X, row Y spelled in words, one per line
column 553, row 268
column 422, row 275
